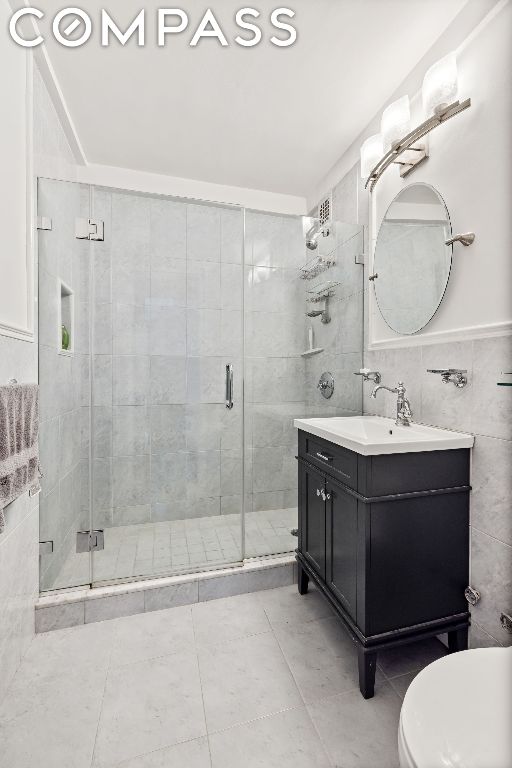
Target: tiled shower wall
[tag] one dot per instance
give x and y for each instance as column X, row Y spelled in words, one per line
column 275, row 392
column 342, row 338
column 481, row 408
column 168, row 317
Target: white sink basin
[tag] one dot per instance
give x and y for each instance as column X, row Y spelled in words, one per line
column 374, row 435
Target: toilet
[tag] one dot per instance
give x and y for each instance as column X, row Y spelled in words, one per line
column 457, row 712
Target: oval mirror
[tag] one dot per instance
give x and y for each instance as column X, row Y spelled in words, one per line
column 412, row 261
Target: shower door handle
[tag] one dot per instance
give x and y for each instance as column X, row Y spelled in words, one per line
column 229, row 386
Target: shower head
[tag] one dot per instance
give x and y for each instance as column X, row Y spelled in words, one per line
column 313, row 234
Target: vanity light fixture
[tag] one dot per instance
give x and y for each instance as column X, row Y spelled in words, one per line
column 395, row 122
column 371, row 151
column 440, row 87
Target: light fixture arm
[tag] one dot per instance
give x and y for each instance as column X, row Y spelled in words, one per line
column 406, row 144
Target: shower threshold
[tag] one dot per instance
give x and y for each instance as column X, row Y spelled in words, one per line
column 85, row 605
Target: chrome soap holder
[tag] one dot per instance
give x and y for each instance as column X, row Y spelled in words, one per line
column 456, row 376
column 323, row 293
column 368, row 375
column 315, row 267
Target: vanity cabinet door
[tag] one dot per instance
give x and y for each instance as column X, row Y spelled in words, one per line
column 312, row 518
column 341, row 546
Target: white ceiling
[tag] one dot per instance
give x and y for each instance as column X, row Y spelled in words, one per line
column 267, row 118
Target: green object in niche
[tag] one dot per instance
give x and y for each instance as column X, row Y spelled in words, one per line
column 65, row 338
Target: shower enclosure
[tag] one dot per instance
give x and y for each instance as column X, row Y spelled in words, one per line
column 171, row 339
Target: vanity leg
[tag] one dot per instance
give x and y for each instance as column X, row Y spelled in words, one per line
column 367, row 667
column 458, row 640
column 302, row 580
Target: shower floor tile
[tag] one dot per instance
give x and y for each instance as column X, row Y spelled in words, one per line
column 156, row 548
column 261, row 679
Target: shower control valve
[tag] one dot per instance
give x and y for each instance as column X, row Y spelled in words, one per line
column 326, row 384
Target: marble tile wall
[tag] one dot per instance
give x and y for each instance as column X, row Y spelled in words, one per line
column 19, row 540
column 19, row 550
column 342, row 338
column 275, row 391
column 481, row 408
column 167, row 318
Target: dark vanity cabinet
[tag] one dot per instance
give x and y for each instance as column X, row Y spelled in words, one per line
column 386, row 539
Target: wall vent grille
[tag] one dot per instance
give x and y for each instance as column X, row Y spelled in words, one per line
column 324, row 210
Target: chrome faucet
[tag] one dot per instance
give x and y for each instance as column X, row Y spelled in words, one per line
column 403, row 406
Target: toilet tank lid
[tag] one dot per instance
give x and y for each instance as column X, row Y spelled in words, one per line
column 457, row 712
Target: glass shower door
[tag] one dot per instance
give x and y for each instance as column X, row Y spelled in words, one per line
column 275, row 341
column 287, row 348
column 63, row 340
column 167, row 320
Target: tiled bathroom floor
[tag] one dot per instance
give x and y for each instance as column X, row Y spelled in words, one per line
column 265, row 680
column 155, row 548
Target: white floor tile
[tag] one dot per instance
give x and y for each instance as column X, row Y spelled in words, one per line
column 321, row 656
column 284, row 740
column 151, row 635
column 51, row 724
column 217, row 621
column 190, row 754
column 148, row 706
column 245, row 679
column 142, row 691
column 285, row 604
column 357, row 732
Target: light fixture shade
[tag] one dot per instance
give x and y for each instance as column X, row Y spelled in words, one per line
column 395, row 122
column 371, row 152
column 440, row 85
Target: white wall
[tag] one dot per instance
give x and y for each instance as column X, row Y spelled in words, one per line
column 192, row 189
column 469, row 165
column 15, row 274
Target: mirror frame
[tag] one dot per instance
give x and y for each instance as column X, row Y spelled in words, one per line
column 450, row 229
